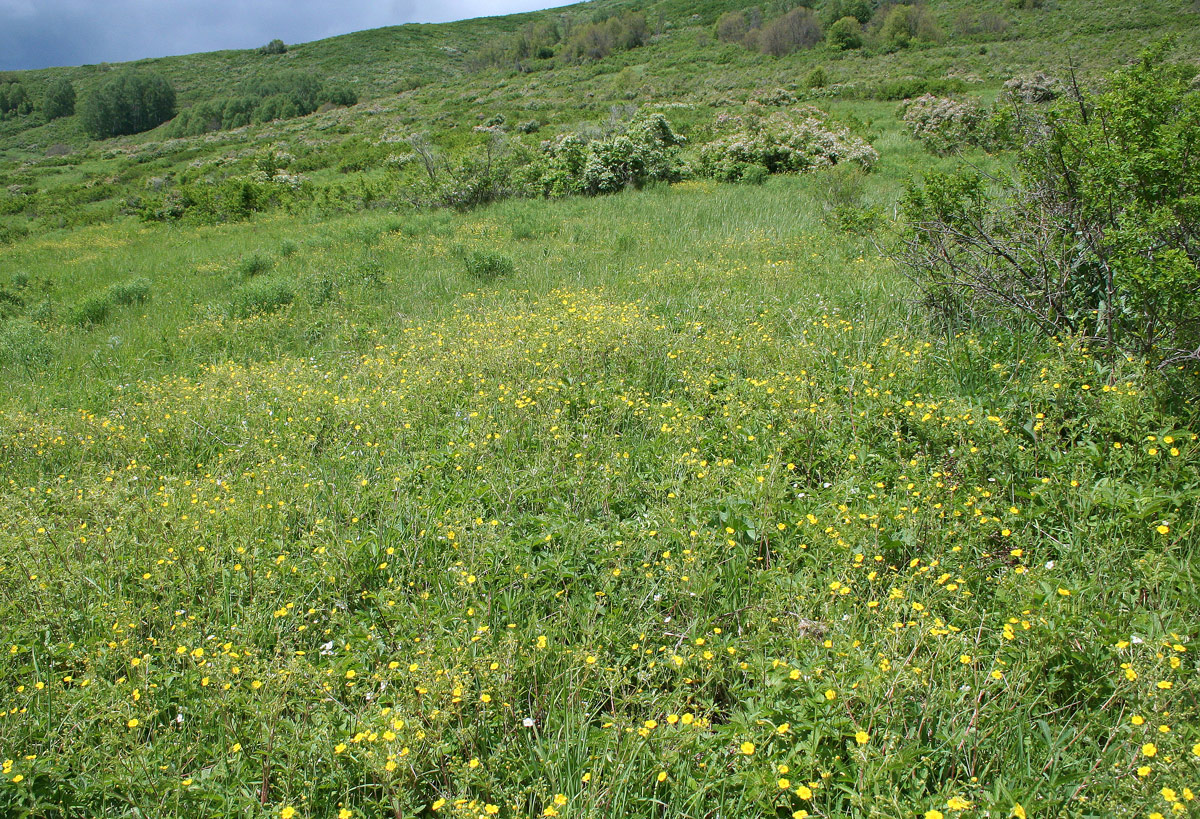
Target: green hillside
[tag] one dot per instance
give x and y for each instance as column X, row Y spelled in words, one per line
column 605, row 416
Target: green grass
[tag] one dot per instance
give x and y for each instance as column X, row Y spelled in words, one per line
column 648, row 504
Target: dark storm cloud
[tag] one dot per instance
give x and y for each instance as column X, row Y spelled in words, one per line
column 40, row 33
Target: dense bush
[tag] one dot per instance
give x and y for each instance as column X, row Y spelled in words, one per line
column 59, row 99
column 944, row 125
column 781, row 143
column 1033, row 88
column 791, row 32
column 644, row 151
column 129, row 103
column 276, row 46
column 1099, row 232
column 860, row 10
column 845, row 34
column 596, row 41
column 896, row 26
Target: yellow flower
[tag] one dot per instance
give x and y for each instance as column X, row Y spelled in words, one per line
column 1149, row 750
column 748, row 748
column 957, row 803
column 133, row 723
column 1018, row 812
column 287, row 813
column 830, row 694
column 784, row 784
column 862, row 737
column 934, row 814
column 662, row 776
column 345, row 813
column 804, row 792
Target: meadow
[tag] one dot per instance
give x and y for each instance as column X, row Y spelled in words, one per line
column 667, row 503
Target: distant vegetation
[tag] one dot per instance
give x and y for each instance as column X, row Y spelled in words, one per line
column 129, row 103
column 282, row 96
column 653, row 410
column 14, row 101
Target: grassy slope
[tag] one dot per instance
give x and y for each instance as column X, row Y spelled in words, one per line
column 700, row 441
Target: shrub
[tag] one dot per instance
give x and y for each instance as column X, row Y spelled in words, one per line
column 858, row 10
column 899, row 25
column 1098, row 234
column 59, row 99
column 92, row 311
column 944, row 125
column 644, row 151
column 816, row 78
column 596, row 41
column 252, row 264
column 845, row 34
column 1033, row 88
column 487, row 265
column 134, row 291
column 781, row 143
column 276, row 46
column 796, row 30
column 261, row 296
column 732, row 27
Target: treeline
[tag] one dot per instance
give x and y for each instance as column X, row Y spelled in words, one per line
column 133, row 101
column 843, row 24
column 58, row 99
column 261, row 100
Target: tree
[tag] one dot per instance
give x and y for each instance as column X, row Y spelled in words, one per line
column 129, row 103
column 276, row 46
column 797, row 29
column 1097, row 235
column 14, row 102
column 845, row 34
column 59, row 99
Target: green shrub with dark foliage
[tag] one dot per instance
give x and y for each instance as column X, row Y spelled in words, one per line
column 1098, row 233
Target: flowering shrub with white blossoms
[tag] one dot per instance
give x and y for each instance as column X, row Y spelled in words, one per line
column 784, row 142
column 944, row 125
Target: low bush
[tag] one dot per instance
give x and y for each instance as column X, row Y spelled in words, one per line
column 92, row 311
column 487, row 265
column 134, row 291
column 942, row 124
column 261, row 296
column 252, row 264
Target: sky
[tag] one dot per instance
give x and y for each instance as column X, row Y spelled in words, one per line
column 42, row 33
